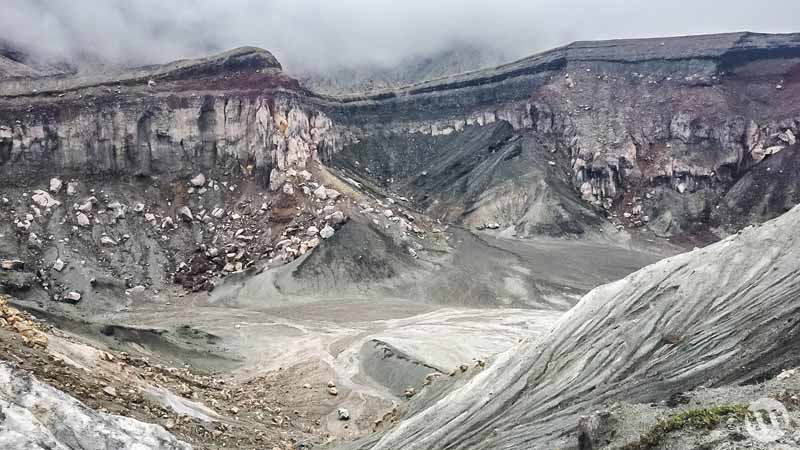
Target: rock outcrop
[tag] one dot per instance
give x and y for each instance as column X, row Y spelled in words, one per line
column 641, row 133
column 651, row 131
column 719, row 315
column 67, row 423
column 235, row 112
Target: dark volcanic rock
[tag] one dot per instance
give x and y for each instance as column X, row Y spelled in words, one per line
column 644, row 131
column 651, row 131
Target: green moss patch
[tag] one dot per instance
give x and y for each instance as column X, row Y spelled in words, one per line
column 696, row 419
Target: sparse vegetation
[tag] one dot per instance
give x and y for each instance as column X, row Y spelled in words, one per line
column 697, row 419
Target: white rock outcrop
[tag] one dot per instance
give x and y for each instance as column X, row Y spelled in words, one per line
column 681, row 322
column 37, row 416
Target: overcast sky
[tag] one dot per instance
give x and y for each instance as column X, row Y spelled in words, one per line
column 322, row 34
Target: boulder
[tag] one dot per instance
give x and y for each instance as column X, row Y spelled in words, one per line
column 288, row 189
column 83, row 220
column 327, row 232
column 119, row 210
column 788, row 137
column 139, row 207
column 44, row 200
column 55, row 185
column 321, row 193
column 332, row 194
column 72, row 188
column 107, row 241
column 136, row 290
column 34, row 241
column 198, row 180
column 87, row 205
column 12, row 264
column 59, row 265
column 336, row 218
column 72, row 297
column 312, row 231
column 388, row 213
column 185, row 214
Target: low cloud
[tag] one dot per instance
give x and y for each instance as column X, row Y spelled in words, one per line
column 315, row 35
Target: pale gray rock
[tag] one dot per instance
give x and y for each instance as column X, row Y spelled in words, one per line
column 321, row 193
column 788, row 137
column 185, row 214
column 671, row 327
column 136, row 290
column 118, row 210
column 34, row 240
column 55, row 185
column 44, row 200
column 332, row 194
column 107, row 241
column 72, row 188
column 312, row 231
column 83, row 219
column 72, row 297
column 327, row 232
column 198, row 180
column 87, row 205
column 36, row 416
column 59, row 265
column 335, row 218
column 12, row 264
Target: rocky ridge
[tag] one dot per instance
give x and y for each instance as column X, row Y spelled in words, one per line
column 650, row 132
column 126, row 196
column 703, row 318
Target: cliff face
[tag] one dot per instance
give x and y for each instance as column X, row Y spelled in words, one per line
column 235, row 112
column 650, row 131
column 641, row 133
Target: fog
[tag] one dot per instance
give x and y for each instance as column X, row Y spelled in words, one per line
column 315, row 35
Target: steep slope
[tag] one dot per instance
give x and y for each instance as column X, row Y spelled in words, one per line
column 482, row 175
column 325, row 228
column 67, row 423
column 651, row 131
column 230, row 112
column 647, row 133
column 723, row 314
